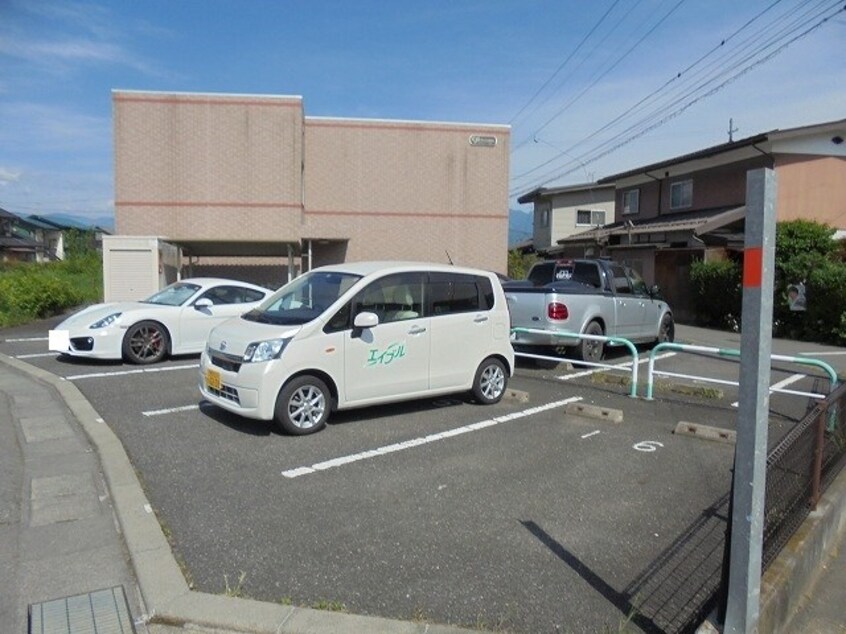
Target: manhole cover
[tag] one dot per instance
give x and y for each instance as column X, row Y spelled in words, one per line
column 100, row 612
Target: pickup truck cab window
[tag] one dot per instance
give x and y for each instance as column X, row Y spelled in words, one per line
column 622, row 285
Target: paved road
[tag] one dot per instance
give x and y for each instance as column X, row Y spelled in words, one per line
column 530, row 520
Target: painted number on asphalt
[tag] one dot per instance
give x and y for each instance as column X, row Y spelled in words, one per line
column 647, row 445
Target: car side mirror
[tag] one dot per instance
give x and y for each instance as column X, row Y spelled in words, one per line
column 655, row 291
column 202, row 303
column 364, row 320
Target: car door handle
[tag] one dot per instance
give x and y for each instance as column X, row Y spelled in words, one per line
column 480, row 319
column 416, row 330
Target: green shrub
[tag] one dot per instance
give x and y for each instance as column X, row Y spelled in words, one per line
column 717, row 293
column 825, row 292
column 519, row 264
column 33, row 291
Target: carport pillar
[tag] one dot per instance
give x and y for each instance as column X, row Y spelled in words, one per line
column 750, row 457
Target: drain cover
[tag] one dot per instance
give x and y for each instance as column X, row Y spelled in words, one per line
column 100, row 612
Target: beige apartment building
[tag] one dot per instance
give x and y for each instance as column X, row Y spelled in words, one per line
column 249, row 186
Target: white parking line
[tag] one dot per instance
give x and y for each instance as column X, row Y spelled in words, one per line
column 170, row 410
column 35, row 356
column 593, row 433
column 626, row 364
column 24, row 339
column 423, row 440
column 783, row 384
column 99, row 375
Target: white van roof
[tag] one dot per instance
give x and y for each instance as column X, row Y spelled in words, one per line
column 367, row 268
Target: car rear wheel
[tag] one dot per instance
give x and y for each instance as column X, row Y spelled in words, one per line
column 490, row 381
column 591, row 350
column 303, row 406
column 145, row 342
column 667, row 331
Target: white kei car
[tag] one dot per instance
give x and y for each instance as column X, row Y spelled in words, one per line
column 359, row 334
column 175, row 320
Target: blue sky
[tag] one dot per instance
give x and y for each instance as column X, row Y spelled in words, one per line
column 589, row 63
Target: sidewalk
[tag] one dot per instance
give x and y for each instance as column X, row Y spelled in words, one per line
column 58, row 533
column 74, row 520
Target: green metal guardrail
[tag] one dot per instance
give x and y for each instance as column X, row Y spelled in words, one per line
column 732, row 353
column 614, row 341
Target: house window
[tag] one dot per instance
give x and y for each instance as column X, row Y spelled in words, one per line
column 591, row 217
column 681, row 194
column 631, row 201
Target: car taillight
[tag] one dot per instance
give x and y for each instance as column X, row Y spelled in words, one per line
column 557, row 311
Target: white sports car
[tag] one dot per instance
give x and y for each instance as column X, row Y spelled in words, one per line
column 176, row 320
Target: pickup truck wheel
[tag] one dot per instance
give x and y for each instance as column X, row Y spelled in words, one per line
column 667, row 331
column 589, row 349
column 490, row 381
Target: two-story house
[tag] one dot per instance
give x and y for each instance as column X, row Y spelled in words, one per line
column 17, row 245
column 560, row 212
column 693, row 206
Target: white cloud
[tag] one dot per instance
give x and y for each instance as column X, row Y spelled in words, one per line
column 9, row 176
column 38, row 127
column 58, row 55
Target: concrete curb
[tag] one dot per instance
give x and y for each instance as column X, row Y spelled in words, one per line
column 165, row 593
column 706, row 432
column 595, row 412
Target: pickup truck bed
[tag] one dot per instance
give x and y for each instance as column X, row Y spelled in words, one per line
column 594, row 297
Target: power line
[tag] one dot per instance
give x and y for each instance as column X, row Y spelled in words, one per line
column 648, row 123
column 651, row 95
column 566, row 60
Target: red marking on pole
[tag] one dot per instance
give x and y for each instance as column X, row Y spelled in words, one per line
column 753, row 267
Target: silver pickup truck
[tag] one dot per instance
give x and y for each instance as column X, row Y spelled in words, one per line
column 592, row 297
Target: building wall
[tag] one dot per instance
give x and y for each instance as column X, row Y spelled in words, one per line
column 723, row 186
column 223, row 168
column 565, row 207
column 207, row 166
column 408, row 190
column 812, row 188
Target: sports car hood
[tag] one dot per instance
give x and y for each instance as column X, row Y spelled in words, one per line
column 88, row 316
column 234, row 335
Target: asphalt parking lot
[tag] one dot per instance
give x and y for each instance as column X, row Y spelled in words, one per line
column 516, row 517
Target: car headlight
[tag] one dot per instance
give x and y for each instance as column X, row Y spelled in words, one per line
column 265, row 350
column 108, row 320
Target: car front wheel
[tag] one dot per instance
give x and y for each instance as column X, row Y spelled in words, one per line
column 490, row 381
column 667, row 331
column 145, row 342
column 302, row 406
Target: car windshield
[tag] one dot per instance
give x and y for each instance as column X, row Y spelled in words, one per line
column 302, row 300
column 174, row 295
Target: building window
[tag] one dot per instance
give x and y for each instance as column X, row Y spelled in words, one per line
column 590, row 217
column 631, row 201
column 681, row 194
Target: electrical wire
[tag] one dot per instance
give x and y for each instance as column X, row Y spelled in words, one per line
column 704, row 89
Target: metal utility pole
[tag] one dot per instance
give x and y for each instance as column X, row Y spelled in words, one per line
column 750, row 458
column 731, row 130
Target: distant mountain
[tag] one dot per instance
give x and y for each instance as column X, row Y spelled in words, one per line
column 519, row 226
column 104, row 222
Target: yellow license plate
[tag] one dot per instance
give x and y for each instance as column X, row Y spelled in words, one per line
column 213, row 379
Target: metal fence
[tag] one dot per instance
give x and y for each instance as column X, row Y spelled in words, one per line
column 800, row 468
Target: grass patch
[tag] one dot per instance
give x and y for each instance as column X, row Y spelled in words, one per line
column 329, row 606
column 236, row 590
